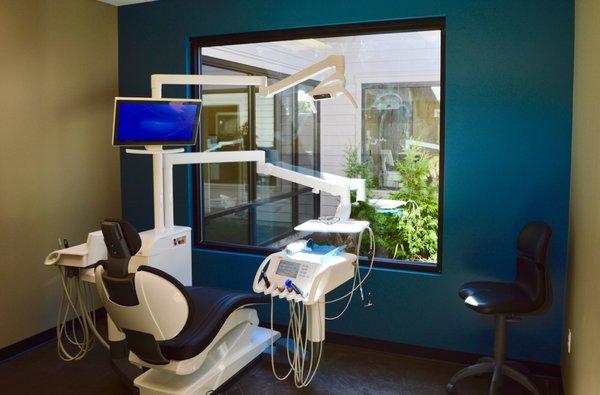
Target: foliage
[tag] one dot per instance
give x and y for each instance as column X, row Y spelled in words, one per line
column 417, row 227
column 355, row 168
column 244, row 129
column 411, row 235
column 380, row 223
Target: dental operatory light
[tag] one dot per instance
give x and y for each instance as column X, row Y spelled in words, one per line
column 331, row 87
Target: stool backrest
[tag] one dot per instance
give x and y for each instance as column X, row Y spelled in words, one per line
column 532, row 271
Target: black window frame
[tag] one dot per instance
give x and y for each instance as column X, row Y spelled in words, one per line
column 354, row 29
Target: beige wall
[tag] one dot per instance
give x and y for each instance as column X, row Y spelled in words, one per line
column 59, row 176
column 581, row 367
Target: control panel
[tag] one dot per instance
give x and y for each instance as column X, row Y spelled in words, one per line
column 301, row 277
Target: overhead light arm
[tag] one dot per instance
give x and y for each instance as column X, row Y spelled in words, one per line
column 332, row 86
column 333, row 61
column 329, row 88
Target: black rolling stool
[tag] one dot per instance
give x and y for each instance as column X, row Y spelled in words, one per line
column 528, row 293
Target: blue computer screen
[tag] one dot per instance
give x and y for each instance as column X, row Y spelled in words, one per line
column 156, row 122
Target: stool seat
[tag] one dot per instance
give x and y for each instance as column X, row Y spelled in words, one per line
column 490, row 297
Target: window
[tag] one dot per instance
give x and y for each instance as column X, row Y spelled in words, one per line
column 394, row 140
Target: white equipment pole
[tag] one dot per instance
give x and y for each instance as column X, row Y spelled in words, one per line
column 156, row 82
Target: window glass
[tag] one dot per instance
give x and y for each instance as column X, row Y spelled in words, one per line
column 393, row 139
column 231, row 228
column 396, row 118
column 261, row 210
column 224, row 127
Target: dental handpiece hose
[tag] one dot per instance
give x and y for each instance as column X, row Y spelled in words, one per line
column 289, row 284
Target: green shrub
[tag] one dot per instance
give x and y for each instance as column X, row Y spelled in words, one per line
column 418, row 226
column 411, row 235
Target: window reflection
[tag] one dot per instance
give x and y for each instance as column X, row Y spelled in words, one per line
column 395, row 118
column 261, row 210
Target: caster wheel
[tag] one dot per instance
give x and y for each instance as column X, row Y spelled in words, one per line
column 450, row 388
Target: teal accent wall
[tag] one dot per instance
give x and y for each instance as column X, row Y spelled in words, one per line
column 509, row 66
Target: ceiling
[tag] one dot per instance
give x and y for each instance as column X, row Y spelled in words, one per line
column 125, row 2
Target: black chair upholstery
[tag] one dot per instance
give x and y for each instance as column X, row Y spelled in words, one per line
column 528, row 293
column 131, row 236
column 209, row 308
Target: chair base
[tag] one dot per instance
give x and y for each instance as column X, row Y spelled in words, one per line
column 498, row 371
column 212, row 375
column 498, row 365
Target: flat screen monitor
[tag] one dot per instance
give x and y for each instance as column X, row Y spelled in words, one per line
column 140, row 121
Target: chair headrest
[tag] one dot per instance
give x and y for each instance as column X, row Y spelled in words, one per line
column 132, row 238
column 533, row 240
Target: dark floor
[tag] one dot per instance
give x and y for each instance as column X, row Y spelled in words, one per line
column 343, row 370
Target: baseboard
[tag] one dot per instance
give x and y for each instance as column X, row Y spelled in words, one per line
column 536, row 368
column 34, row 341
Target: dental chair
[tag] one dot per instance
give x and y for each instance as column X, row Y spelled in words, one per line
column 187, row 340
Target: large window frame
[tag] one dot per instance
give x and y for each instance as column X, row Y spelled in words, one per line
column 424, row 24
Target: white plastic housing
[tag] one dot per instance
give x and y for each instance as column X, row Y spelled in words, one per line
column 313, row 279
column 81, row 255
column 347, row 226
column 169, row 250
column 162, row 310
column 222, row 360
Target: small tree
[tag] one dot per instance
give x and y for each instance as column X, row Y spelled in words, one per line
column 417, row 226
